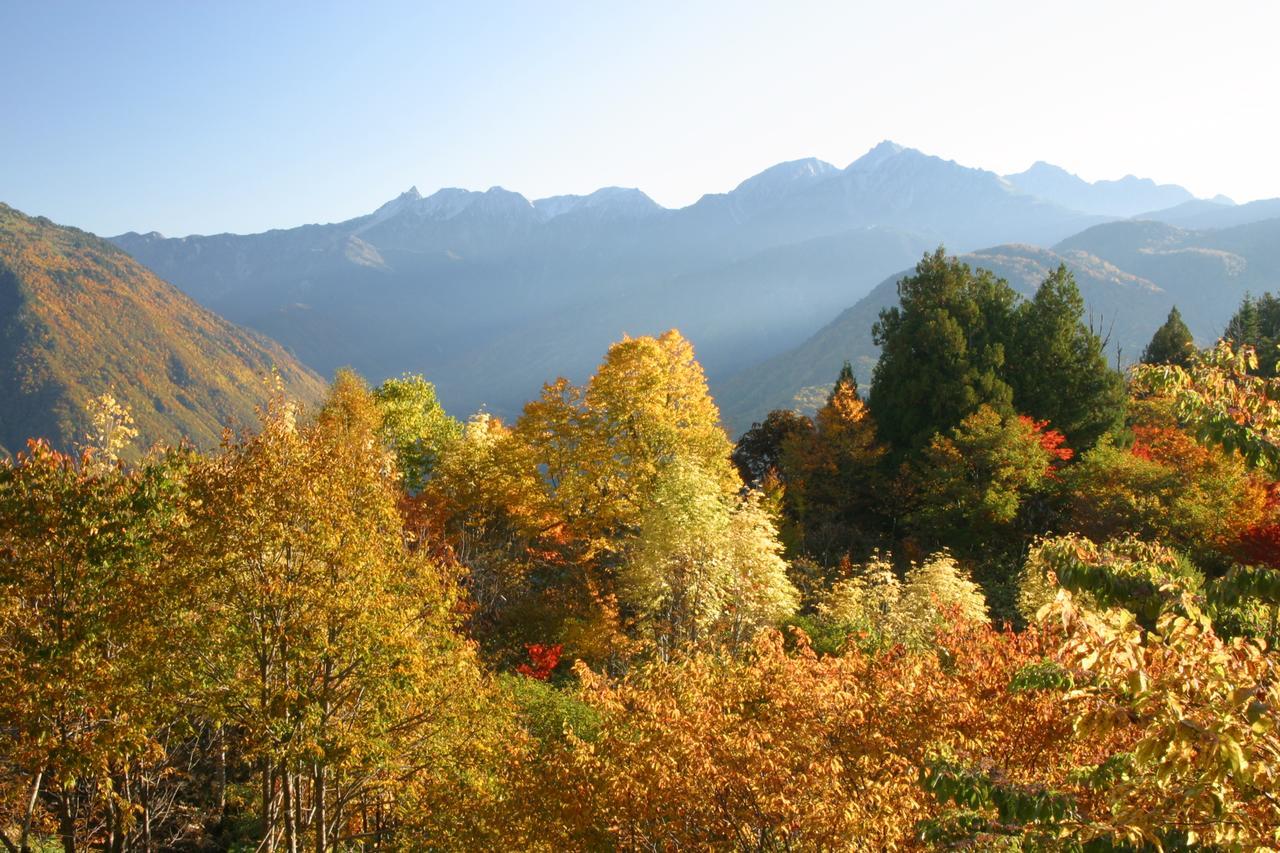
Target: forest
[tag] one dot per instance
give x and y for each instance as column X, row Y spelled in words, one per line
column 1010, row 596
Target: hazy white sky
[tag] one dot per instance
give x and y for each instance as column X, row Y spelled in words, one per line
column 185, row 117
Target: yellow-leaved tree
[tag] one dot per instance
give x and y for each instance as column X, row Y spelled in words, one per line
column 335, row 662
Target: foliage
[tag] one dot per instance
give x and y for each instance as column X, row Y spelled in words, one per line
column 758, row 453
column 960, row 340
column 706, row 565
column 1166, row 487
column 1206, row 758
column 971, row 484
column 1223, row 402
column 111, row 429
column 789, row 750
column 288, row 644
column 834, row 480
column 337, row 665
column 414, row 426
column 543, row 660
column 1256, row 324
column 1171, row 344
column 1057, row 367
column 943, row 351
column 92, row 639
column 874, row 605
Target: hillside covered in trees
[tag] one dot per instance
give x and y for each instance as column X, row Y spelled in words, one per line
column 1007, row 598
column 79, row 317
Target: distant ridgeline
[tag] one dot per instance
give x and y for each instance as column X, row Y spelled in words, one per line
column 80, row 318
column 488, row 293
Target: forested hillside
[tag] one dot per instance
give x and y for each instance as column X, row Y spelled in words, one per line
column 80, row 318
column 1007, row 598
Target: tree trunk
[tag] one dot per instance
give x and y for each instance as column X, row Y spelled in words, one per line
column 322, row 826
column 66, row 824
column 222, row 771
column 290, row 815
column 24, row 844
column 268, row 818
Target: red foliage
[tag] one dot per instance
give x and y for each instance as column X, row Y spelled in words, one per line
column 1260, row 545
column 543, row 660
column 1167, row 446
column 1053, row 442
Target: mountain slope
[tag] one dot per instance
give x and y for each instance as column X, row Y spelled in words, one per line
column 447, row 283
column 78, row 317
column 1130, row 274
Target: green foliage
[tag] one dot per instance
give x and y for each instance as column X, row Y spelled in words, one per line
column 1145, row 578
column 759, row 452
column 415, row 427
column 943, row 351
column 992, row 808
column 959, row 340
column 971, row 484
column 1256, row 324
column 1171, row 344
column 1057, row 367
column 551, row 713
column 1043, row 675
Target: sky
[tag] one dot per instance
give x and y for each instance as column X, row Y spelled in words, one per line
column 209, row 117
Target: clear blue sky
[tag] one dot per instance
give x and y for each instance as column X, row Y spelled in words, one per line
column 192, row 117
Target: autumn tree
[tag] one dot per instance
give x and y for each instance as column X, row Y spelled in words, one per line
column 872, row 603
column 784, row 749
column 836, row 498
column 1199, row 710
column 706, row 567
column 93, row 638
column 337, row 664
column 1165, row 487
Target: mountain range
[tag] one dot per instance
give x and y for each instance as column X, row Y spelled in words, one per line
column 490, row 294
column 79, row 317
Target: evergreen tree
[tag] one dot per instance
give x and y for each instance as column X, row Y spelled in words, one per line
column 1256, row 323
column 1057, row 366
column 942, row 351
column 1171, row 344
